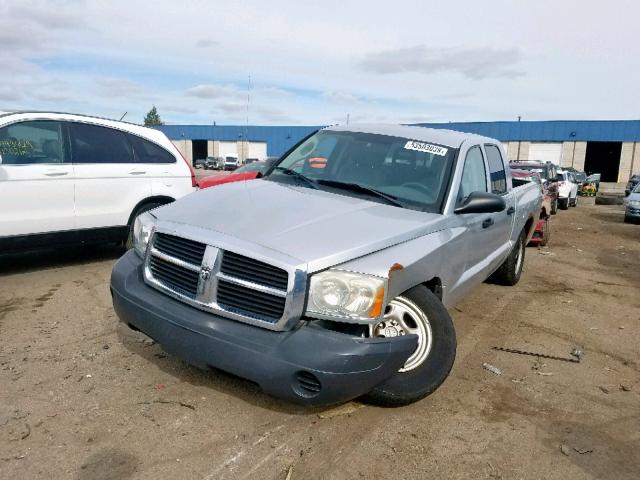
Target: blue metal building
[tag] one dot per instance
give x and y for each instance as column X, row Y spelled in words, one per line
column 603, row 146
column 551, row 130
column 278, row 138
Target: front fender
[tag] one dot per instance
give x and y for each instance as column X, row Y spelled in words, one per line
column 416, row 262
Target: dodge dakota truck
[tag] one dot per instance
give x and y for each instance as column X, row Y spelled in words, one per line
column 329, row 278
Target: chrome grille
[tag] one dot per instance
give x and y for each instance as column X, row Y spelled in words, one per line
column 180, row 248
column 175, row 277
column 224, row 282
column 251, row 270
column 247, row 300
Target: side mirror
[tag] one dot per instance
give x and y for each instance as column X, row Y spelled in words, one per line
column 482, row 202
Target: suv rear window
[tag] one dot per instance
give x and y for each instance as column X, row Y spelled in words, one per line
column 96, row 144
column 149, row 152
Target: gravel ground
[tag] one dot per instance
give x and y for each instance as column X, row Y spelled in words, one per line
column 83, row 397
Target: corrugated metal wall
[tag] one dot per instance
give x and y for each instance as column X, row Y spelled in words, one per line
column 551, row 130
column 278, row 138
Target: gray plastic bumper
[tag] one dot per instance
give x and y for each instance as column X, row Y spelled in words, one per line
column 308, row 365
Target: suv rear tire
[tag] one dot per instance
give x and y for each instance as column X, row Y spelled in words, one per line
column 128, row 243
column 422, row 374
column 563, row 203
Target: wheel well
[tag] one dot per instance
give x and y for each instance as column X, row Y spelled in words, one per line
column 529, row 226
column 161, row 199
column 543, row 213
column 435, row 285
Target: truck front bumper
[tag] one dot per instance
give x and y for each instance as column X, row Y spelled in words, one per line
column 309, row 365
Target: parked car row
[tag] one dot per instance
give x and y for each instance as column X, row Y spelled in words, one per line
column 559, row 189
column 229, row 162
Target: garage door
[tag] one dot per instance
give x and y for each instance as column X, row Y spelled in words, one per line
column 546, row 151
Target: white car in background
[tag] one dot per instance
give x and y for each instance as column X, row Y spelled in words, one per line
column 567, row 189
column 67, row 179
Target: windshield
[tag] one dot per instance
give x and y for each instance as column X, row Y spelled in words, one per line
column 637, row 189
column 402, row 171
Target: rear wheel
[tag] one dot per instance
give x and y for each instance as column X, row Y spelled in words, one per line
column 510, row 271
column 546, row 233
column 563, row 203
column 128, row 244
column 417, row 311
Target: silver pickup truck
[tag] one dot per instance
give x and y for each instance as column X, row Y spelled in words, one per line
column 329, row 277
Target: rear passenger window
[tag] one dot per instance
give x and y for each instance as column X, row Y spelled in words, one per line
column 28, row 143
column 474, row 175
column 149, row 152
column 96, row 144
column 496, row 169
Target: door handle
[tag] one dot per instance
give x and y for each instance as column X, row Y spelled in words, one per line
column 137, row 172
column 511, row 210
column 487, row 223
column 56, row 174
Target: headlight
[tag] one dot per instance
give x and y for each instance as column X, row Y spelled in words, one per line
column 142, row 231
column 634, row 203
column 352, row 296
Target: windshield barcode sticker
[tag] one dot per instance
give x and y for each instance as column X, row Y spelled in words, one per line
column 425, row 147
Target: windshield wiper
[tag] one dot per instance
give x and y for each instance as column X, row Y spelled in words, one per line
column 354, row 187
column 287, row 171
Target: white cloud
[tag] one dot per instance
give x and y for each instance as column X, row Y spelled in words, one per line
column 311, row 65
column 476, row 63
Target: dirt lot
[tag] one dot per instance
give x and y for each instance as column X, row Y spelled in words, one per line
column 83, row 397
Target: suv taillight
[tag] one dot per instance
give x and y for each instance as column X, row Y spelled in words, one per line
column 194, row 182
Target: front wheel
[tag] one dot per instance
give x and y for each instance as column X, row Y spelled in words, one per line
column 417, row 311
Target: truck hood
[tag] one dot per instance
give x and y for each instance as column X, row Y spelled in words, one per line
column 314, row 227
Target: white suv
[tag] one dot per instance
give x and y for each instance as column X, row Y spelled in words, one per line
column 71, row 179
column 567, row 189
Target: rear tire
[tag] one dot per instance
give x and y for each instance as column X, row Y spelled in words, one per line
column 510, row 271
column 417, row 380
column 563, row 203
column 546, row 233
column 128, row 244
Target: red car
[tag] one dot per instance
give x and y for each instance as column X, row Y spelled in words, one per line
column 542, row 233
column 246, row 172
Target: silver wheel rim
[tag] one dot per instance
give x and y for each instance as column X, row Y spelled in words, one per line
column 519, row 257
column 403, row 317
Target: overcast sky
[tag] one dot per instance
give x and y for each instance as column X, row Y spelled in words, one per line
column 315, row 62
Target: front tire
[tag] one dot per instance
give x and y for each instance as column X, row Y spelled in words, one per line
column 420, row 312
column 510, row 271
